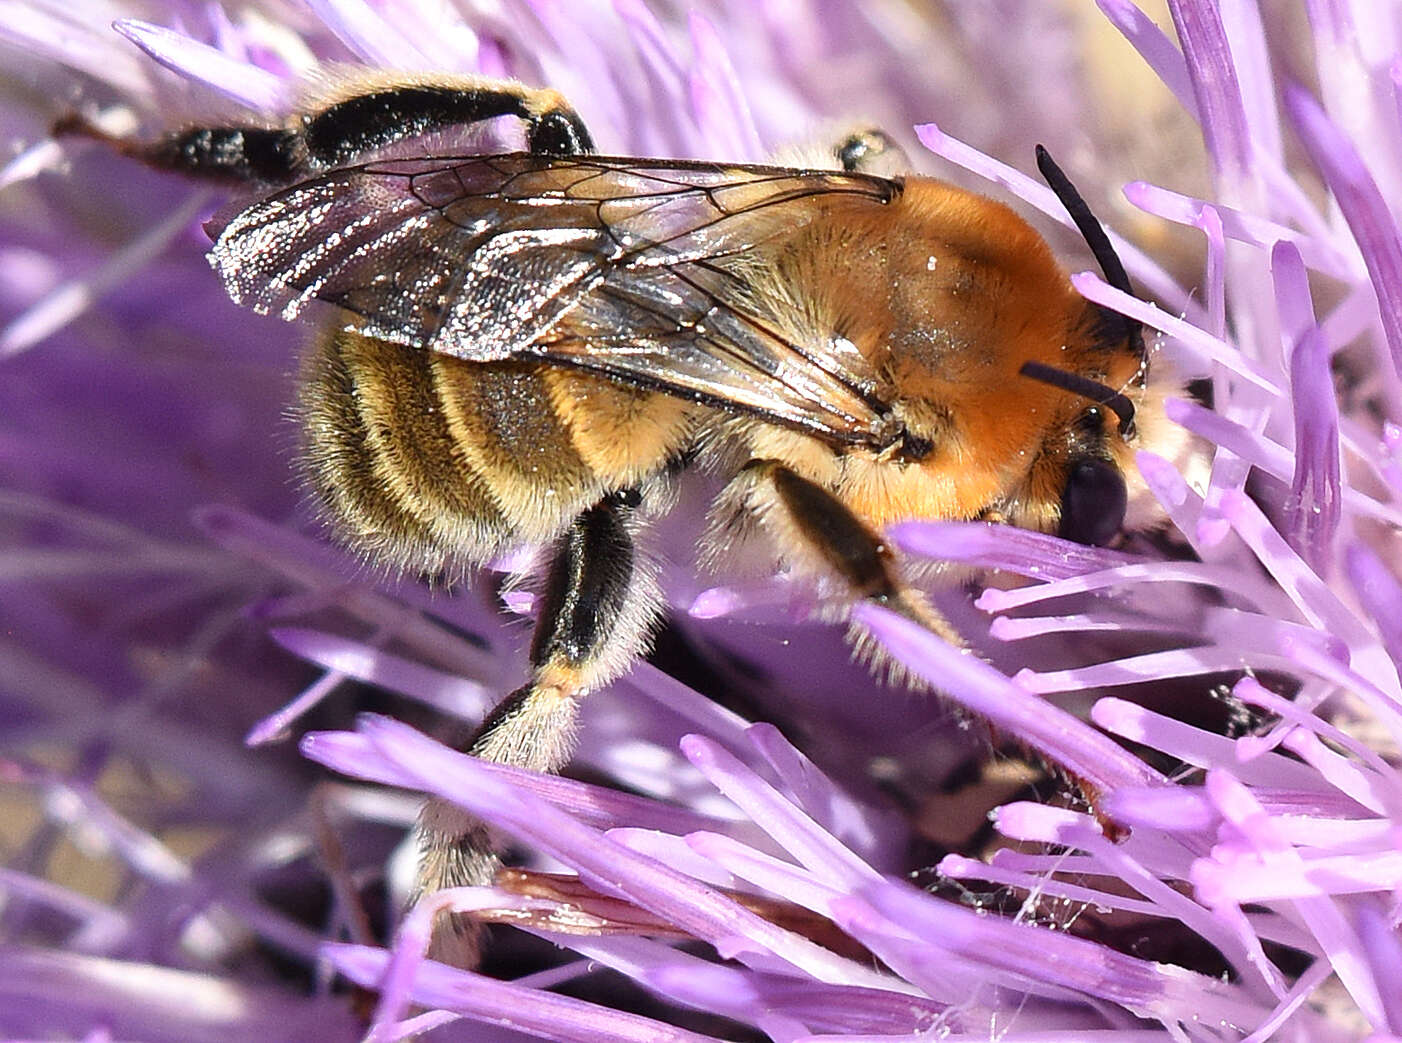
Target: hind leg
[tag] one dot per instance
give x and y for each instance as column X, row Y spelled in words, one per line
column 353, row 119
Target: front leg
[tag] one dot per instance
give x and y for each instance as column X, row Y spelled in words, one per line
column 595, row 615
column 350, row 120
column 826, row 539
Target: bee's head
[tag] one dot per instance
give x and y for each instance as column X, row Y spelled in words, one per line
column 1093, row 495
column 1014, row 398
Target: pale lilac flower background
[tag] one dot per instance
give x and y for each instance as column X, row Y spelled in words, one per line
column 170, row 619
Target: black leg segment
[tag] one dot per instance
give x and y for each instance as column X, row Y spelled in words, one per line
column 241, row 154
column 255, row 154
column 596, row 612
column 341, row 132
column 587, row 588
column 850, row 549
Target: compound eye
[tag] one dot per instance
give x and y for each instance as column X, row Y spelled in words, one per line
column 1093, row 503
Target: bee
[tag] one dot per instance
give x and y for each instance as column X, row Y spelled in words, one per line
column 526, row 346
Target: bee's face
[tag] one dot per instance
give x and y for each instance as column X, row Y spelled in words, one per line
column 1077, row 484
column 1080, row 475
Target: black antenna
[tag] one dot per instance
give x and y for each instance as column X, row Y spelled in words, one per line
column 1097, row 392
column 1093, row 233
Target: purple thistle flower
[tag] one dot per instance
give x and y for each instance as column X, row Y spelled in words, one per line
column 166, row 604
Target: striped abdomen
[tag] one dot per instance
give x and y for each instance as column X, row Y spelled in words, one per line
column 421, row 459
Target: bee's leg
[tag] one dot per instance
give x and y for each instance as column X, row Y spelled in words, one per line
column 870, row 150
column 596, row 611
column 804, row 517
column 335, row 133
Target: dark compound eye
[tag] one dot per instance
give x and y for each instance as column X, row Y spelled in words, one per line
column 1093, row 503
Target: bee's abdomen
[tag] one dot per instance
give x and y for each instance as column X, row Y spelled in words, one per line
column 381, row 459
column 501, row 418
column 421, row 459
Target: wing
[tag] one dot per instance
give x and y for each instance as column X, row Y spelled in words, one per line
column 630, row 268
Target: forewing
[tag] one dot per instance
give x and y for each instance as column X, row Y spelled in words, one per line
column 632, row 268
column 693, row 329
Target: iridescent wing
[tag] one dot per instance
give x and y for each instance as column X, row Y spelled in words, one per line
column 635, row 269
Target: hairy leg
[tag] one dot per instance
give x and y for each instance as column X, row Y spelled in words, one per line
column 826, row 539
column 596, row 611
column 349, row 120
